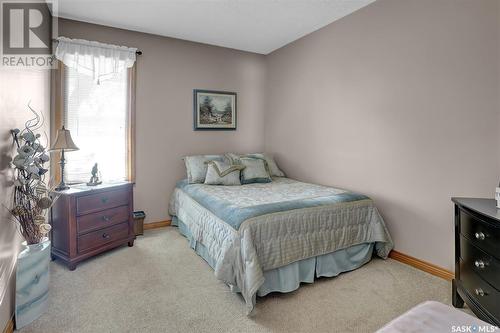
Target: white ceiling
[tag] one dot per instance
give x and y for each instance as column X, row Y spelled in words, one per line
column 260, row 26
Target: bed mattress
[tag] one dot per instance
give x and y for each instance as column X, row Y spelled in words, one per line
column 254, row 228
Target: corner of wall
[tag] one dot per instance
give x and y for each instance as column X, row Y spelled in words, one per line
column 374, row 82
column 17, row 88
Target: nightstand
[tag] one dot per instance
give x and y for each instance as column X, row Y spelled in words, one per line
column 88, row 220
column 477, row 257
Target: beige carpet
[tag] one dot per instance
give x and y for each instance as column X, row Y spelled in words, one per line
column 161, row 285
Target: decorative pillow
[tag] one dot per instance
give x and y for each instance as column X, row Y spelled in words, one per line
column 255, row 171
column 233, row 158
column 221, row 173
column 196, row 166
column 271, row 165
column 273, row 168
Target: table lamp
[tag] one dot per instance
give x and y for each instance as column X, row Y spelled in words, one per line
column 64, row 142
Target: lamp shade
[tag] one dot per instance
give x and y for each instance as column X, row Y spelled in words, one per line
column 64, row 141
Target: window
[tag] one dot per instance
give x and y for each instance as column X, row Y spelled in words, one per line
column 99, row 118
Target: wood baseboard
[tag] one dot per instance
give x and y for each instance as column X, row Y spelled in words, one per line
column 155, row 225
column 422, row 265
column 9, row 328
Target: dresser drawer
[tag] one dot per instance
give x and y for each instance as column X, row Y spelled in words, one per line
column 480, row 234
column 100, row 201
column 484, row 294
column 98, row 238
column 480, row 262
column 102, row 219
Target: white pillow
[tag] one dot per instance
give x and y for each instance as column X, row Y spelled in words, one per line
column 221, row 173
column 196, row 166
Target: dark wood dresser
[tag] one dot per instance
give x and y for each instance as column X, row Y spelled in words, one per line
column 477, row 257
column 89, row 220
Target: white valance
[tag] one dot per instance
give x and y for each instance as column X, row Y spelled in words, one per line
column 99, row 60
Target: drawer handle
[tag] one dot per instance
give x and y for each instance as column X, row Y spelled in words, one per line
column 480, row 264
column 105, row 236
column 480, row 235
column 106, row 218
column 480, row 292
column 104, row 199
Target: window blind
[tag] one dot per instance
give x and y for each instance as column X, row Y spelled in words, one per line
column 97, row 116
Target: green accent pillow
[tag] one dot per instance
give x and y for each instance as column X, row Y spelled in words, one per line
column 255, row 171
column 221, row 173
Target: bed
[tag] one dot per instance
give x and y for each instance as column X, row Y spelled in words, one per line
column 432, row 316
column 266, row 237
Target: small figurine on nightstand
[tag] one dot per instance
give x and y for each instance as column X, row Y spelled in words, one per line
column 94, row 180
column 497, row 195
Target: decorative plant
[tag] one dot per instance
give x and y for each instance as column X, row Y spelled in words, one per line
column 31, row 193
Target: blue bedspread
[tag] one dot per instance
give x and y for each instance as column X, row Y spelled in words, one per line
column 228, row 210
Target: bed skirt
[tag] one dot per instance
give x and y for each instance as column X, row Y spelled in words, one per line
column 288, row 278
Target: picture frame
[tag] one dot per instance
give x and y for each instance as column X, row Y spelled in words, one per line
column 214, row 110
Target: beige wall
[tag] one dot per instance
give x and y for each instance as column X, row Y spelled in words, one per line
column 168, row 71
column 17, row 88
column 399, row 101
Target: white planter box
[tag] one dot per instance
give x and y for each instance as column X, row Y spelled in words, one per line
column 32, row 282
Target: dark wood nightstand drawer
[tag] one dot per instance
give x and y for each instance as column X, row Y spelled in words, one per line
column 480, row 233
column 100, row 201
column 102, row 219
column 480, row 262
column 480, row 290
column 100, row 237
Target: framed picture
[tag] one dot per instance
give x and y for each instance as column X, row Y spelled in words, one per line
column 214, row 110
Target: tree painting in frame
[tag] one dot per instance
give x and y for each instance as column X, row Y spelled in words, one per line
column 214, row 110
